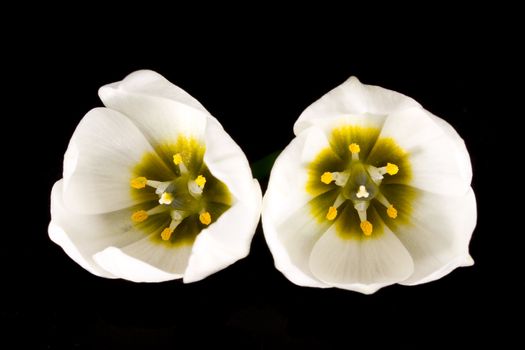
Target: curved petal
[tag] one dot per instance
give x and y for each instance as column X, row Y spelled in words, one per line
column 293, row 241
column 352, row 97
column 437, row 165
column 288, row 229
column 81, row 236
column 99, row 161
column 130, row 268
column 148, row 82
column 362, row 264
column 438, row 235
column 462, row 155
column 226, row 240
column 145, row 261
column 152, row 107
column 226, row 161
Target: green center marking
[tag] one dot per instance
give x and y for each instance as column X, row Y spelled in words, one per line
column 365, row 182
column 178, row 181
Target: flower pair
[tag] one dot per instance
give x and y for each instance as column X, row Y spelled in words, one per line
column 374, row 190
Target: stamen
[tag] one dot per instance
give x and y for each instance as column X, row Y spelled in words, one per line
column 200, row 181
column 354, row 149
column 196, row 186
column 327, row 177
column 166, row 234
column 366, row 227
column 177, row 160
column 157, row 210
column 138, row 182
column 139, row 216
column 340, row 178
column 391, row 211
column 160, row 187
column 362, row 193
column 176, row 219
column 332, row 213
column 361, row 208
column 205, row 218
column 141, row 182
column 376, row 174
column 391, row 169
column 166, row 198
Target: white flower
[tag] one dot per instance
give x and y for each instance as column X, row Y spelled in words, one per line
column 153, row 187
column 374, row 190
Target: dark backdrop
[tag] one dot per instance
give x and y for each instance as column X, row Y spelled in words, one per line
column 256, row 84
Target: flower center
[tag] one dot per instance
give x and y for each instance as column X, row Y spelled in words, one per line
column 360, row 184
column 180, row 196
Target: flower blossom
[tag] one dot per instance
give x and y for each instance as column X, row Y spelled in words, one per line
column 153, row 188
column 373, row 190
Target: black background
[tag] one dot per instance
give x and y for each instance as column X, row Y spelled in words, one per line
column 256, row 83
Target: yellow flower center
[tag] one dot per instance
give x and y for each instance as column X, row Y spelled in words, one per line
column 354, row 181
column 178, row 193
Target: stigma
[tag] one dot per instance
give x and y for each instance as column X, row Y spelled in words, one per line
column 166, row 198
column 362, row 192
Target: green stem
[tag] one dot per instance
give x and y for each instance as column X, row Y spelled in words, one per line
column 261, row 168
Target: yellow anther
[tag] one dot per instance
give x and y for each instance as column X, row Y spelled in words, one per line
column 327, row 177
column 391, row 211
column 332, row 213
column 166, row 234
column 200, row 181
column 391, row 169
column 139, row 216
column 205, row 218
column 367, row 227
column 166, row 198
column 177, row 159
column 138, row 182
column 354, row 148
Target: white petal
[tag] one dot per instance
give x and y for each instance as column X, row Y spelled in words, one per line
column 151, row 83
column 81, row 236
column 145, row 260
column 130, row 268
column 284, row 204
column 226, row 161
column 158, row 108
column 99, row 161
column 438, row 235
column 226, row 240
column 462, row 155
column 352, row 97
column 295, row 239
column 364, row 264
column 437, row 165
column 60, row 237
